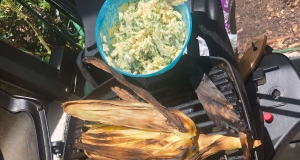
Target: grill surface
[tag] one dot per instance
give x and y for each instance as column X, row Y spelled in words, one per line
column 172, row 90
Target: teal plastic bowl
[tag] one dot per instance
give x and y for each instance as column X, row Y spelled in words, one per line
column 108, row 16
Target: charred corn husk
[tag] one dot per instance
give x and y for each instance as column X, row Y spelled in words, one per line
column 209, row 145
column 130, row 129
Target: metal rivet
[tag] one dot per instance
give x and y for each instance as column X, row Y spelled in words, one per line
column 254, row 47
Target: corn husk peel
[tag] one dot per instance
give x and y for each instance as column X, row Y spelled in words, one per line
column 131, row 129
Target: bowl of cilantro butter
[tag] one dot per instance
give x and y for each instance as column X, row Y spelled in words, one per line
column 142, row 38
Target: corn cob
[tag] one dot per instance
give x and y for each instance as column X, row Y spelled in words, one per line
column 130, row 129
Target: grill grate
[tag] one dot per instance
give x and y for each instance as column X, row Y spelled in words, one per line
column 222, row 81
column 175, row 91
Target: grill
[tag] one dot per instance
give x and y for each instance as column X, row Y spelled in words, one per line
column 172, row 89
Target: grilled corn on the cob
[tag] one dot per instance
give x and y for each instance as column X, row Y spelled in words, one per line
column 134, row 130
